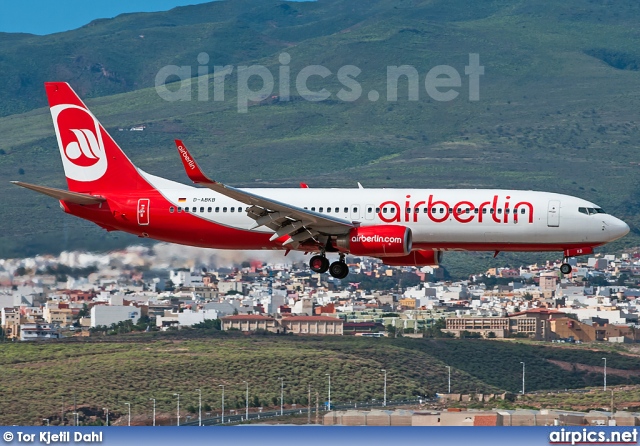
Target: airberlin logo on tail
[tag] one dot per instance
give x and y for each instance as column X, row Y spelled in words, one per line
column 85, row 151
column 80, row 142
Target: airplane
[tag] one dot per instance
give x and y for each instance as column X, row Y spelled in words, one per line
column 402, row 227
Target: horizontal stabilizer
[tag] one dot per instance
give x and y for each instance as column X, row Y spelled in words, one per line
column 65, row 195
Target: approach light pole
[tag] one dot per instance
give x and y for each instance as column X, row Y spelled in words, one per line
column 449, row 368
column 129, row 406
column 384, row 402
column 329, row 375
column 522, row 376
column 154, row 410
column 107, row 413
column 246, row 412
column 605, row 374
column 199, row 406
column 178, row 410
column 222, row 385
column 281, row 395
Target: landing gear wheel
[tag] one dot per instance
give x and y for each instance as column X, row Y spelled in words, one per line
column 319, row 264
column 339, row 270
column 565, row 268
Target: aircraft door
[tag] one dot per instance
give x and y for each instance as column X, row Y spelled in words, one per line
column 553, row 213
column 370, row 212
column 355, row 212
column 143, row 211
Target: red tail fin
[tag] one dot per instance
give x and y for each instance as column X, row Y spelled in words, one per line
column 92, row 160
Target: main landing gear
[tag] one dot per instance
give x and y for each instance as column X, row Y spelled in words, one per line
column 320, row 264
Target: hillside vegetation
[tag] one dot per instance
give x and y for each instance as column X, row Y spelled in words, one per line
column 136, row 368
column 558, row 109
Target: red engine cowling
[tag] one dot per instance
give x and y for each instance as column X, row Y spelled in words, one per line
column 415, row 258
column 377, row 241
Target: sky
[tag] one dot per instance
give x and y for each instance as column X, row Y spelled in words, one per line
column 52, row 16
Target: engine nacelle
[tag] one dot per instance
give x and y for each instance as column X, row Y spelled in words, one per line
column 415, row 258
column 377, row 241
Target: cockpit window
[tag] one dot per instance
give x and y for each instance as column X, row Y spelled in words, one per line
column 591, row 211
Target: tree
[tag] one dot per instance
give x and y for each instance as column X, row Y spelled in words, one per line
column 390, row 329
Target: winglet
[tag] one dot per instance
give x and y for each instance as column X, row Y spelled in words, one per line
column 190, row 166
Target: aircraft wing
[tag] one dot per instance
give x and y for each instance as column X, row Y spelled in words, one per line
column 65, row 195
column 300, row 225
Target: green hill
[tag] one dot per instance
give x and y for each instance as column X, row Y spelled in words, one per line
column 105, row 372
column 558, row 108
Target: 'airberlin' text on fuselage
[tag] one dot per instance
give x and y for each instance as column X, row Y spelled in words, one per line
column 463, row 211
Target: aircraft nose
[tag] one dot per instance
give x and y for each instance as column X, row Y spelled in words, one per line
column 618, row 228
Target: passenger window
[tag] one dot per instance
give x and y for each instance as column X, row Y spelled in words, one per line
column 313, row 209
column 484, row 210
column 232, row 209
column 500, row 211
column 217, row 209
column 377, row 210
column 320, row 209
column 522, row 211
column 384, row 210
column 451, row 210
column 369, row 210
column 392, row 210
column 336, row 210
column 186, row 209
column 209, row 210
column 171, row 209
column 468, row 211
column 347, row 210
column 408, row 210
column 491, row 211
column 475, row 211
column 194, row 209
column 442, row 210
column 305, row 208
column 224, row 209
column 179, row 209
column 459, row 210
column 355, row 210
column 202, row 209
column 506, row 211
column 328, row 210
column 426, row 210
